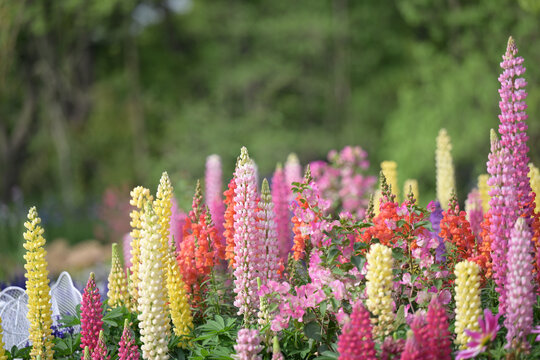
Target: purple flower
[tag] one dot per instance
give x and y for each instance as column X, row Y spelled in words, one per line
column 489, row 326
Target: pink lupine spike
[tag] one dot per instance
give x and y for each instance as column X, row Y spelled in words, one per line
column 176, row 225
column 128, row 349
column 473, row 207
column 356, row 339
column 438, row 343
column 100, row 352
column 267, row 226
column 126, row 250
column 91, row 315
column 280, row 197
column 519, row 282
column 293, row 173
column 248, row 345
column 214, row 192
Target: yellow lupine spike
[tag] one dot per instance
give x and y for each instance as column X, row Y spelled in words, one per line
column 389, row 169
column 468, row 305
column 162, row 207
column 379, row 288
column 37, row 288
column 118, row 287
column 178, row 300
column 483, row 189
column 140, row 196
column 411, row 185
column 534, row 176
column 3, row 355
column 445, row 169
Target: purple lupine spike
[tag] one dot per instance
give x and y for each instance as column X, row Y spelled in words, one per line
column 91, row 315
column 280, row 197
column 248, row 345
column 435, row 218
column 356, row 339
column 267, row 225
column 513, row 126
column 473, row 207
column 248, row 243
column 128, row 349
column 176, row 224
column 214, row 193
column 519, row 282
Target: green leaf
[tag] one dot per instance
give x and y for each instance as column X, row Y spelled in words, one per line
column 358, row 261
column 313, row 331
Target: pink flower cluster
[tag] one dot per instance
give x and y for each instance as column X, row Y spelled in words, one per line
column 342, row 180
column 248, row 345
column 356, row 339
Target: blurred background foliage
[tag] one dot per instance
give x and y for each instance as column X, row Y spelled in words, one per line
column 107, row 94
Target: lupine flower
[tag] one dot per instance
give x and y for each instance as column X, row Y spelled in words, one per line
column 248, row 345
column 214, row 191
column 534, row 176
column 118, row 291
column 467, row 300
column 91, row 314
column 276, row 351
column 178, row 298
column 270, row 256
column 356, row 339
column 126, row 250
column 411, row 185
column 536, row 330
column 293, row 173
column 86, row 354
column 100, row 352
column 473, row 208
column 438, row 342
column 247, row 238
column 489, row 326
column 445, row 169
column 513, row 127
column 127, row 348
column 280, row 197
column 140, row 196
column 152, row 302
column 37, row 287
column 413, row 349
column 483, row 190
column 389, row 169
column 519, row 282
column 162, row 207
column 176, row 226
column 3, row 355
column 228, row 224
column 392, row 348
column 379, row 287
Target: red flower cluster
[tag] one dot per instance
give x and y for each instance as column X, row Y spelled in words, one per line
column 229, row 223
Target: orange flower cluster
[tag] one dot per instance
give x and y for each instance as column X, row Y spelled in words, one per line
column 455, row 229
column 300, row 237
column 229, row 223
column 483, row 256
column 200, row 250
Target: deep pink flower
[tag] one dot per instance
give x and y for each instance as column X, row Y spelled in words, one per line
column 356, row 339
column 128, row 349
column 91, row 315
column 489, row 326
column 280, row 197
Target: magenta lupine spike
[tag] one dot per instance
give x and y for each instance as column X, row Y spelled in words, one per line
column 438, row 344
column 91, row 315
column 247, row 238
column 513, row 126
column 413, row 349
column 176, row 224
column 519, row 282
column 128, row 349
column 356, row 339
column 267, row 225
column 100, row 352
column 248, row 345
column 475, row 215
column 501, row 202
column 293, row 173
column 214, row 192
column 421, row 337
column 280, row 197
